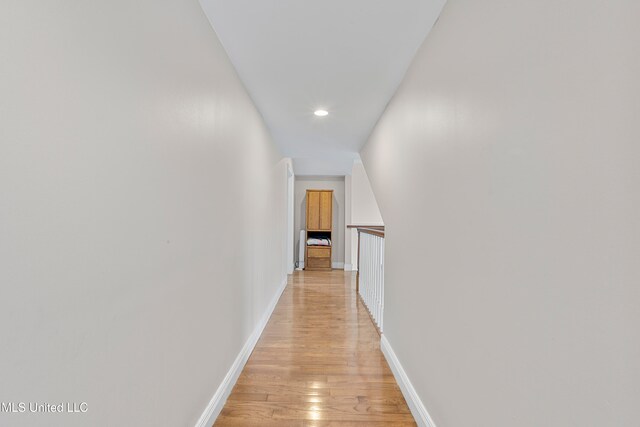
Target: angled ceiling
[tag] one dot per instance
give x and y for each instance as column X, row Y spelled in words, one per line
column 345, row 56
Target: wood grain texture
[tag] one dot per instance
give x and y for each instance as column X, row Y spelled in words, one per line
column 317, row 363
column 318, row 263
column 319, row 252
column 313, row 210
column 326, row 210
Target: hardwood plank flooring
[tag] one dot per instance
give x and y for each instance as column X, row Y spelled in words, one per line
column 317, row 363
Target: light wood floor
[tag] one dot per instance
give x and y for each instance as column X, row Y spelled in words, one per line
column 317, row 363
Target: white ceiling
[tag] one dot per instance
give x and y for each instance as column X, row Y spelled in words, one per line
column 345, row 56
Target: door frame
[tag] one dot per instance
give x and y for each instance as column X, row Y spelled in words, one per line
column 290, row 217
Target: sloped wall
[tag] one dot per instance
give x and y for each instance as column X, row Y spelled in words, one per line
column 364, row 208
column 506, row 170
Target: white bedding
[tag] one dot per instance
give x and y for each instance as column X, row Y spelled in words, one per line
column 318, row 242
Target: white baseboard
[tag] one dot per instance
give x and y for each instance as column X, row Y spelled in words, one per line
column 348, row 267
column 338, row 265
column 218, row 400
column 416, row 406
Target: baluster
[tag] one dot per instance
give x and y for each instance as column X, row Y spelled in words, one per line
column 370, row 272
column 380, row 281
column 375, row 279
column 382, row 285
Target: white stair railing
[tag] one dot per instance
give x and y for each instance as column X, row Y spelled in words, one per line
column 371, row 273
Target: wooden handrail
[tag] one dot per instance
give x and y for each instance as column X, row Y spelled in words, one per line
column 376, row 230
column 375, row 227
column 371, row 231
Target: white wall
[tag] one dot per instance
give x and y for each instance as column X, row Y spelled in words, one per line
column 506, row 169
column 364, row 208
column 141, row 200
column 335, row 183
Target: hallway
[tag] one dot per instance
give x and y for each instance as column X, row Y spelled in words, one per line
column 317, row 363
column 165, row 166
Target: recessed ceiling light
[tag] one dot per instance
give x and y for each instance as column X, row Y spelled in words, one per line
column 321, row 113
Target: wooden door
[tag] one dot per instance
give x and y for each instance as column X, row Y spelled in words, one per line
column 326, row 208
column 313, row 210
